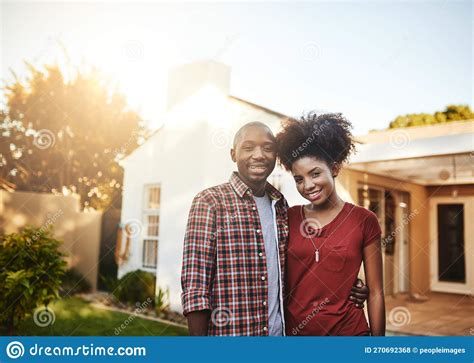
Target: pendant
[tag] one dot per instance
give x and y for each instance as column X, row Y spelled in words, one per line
column 316, row 255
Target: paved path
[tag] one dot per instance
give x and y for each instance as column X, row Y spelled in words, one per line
column 442, row 314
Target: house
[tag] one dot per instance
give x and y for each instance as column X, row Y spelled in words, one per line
column 420, row 183
column 421, row 187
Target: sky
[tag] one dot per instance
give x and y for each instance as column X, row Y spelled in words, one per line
column 370, row 60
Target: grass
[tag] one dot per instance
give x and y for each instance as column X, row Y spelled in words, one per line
column 76, row 317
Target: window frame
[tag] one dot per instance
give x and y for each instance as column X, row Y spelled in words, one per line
column 146, row 238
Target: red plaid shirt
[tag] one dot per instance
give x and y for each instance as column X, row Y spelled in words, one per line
column 224, row 264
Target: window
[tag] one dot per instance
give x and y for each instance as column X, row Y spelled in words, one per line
column 372, row 199
column 382, row 203
column 150, row 253
column 151, row 223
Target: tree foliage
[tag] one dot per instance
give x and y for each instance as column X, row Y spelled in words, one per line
column 31, row 269
column 451, row 113
column 66, row 133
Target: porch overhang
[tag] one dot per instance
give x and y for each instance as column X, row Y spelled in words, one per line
column 442, row 160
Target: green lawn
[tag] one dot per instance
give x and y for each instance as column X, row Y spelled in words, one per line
column 77, row 317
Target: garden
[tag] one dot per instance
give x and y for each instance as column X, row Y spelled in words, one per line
column 42, row 297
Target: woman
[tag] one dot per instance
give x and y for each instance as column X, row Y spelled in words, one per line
column 328, row 238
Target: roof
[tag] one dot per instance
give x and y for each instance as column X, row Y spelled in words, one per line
column 419, row 132
column 405, row 148
column 251, row 104
column 441, row 160
column 278, row 114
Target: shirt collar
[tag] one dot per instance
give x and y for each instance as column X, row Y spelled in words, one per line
column 241, row 188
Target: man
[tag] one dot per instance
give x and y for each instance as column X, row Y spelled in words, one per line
column 235, row 244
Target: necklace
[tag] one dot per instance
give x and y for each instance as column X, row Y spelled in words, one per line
column 316, row 250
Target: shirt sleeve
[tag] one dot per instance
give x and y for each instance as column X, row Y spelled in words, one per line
column 198, row 256
column 371, row 228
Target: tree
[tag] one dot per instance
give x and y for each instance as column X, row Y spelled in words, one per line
column 31, row 270
column 66, row 133
column 452, row 113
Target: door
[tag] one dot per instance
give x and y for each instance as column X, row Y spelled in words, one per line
column 451, row 247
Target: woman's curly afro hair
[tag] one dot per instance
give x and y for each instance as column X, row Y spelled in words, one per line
column 326, row 137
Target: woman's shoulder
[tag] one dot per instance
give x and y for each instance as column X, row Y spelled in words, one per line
column 362, row 214
column 368, row 224
column 295, row 210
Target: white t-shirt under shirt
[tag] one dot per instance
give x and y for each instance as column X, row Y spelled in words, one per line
column 275, row 323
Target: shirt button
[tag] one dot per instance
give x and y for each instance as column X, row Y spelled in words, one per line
column 264, row 303
column 260, row 254
column 253, row 208
column 263, row 278
column 265, row 328
column 258, row 231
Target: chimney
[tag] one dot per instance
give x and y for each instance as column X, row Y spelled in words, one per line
column 185, row 80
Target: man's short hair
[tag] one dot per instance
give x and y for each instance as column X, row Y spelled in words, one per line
column 239, row 133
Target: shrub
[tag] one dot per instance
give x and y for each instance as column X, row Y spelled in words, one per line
column 73, row 283
column 109, row 283
column 31, row 268
column 162, row 301
column 136, row 287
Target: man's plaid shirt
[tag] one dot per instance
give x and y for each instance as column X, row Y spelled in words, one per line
column 224, row 264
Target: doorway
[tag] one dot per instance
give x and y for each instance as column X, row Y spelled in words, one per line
column 451, row 250
column 392, row 208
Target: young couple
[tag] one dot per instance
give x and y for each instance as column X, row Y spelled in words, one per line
column 254, row 266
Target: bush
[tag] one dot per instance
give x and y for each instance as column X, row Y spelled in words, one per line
column 108, row 283
column 31, row 268
column 136, row 287
column 73, row 283
column 162, row 304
